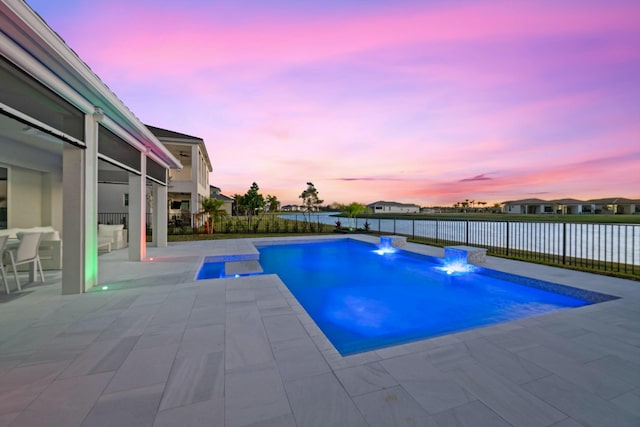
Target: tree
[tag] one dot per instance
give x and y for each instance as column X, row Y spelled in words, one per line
column 273, row 203
column 253, row 201
column 213, row 207
column 352, row 210
column 310, row 198
column 238, row 204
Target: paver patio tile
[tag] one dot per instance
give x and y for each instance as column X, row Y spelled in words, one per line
column 130, row 408
column 156, row 330
column 471, row 414
column 21, row 385
column 433, row 389
column 143, row 368
column 507, row 364
column 320, row 401
column 205, row 339
column 299, row 358
column 629, row 402
column 194, row 378
column 367, row 378
column 284, row 328
column 101, row 356
column 64, row 403
column 581, row 405
column 583, row 375
column 606, row 345
column 207, row 413
column 246, row 342
column 508, row 400
column 254, row 394
column 392, row 407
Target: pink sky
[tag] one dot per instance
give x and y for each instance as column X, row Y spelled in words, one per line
column 409, row 101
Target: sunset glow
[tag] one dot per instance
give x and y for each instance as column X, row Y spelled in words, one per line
column 410, row 101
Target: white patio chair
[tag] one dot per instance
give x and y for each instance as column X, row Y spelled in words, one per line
column 27, row 252
column 3, row 271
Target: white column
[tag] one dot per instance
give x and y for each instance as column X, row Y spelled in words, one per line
column 80, row 207
column 195, row 184
column 137, row 212
column 160, row 218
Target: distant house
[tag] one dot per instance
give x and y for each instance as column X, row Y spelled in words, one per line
column 215, row 193
column 612, row 205
column 293, row 208
column 186, row 188
column 393, row 207
column 190, row 186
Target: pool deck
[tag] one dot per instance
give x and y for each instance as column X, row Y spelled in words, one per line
column 161, row 349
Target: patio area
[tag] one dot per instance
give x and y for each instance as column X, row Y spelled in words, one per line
column 157, row 348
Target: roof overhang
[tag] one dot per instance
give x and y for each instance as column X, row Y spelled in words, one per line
column 30, row 43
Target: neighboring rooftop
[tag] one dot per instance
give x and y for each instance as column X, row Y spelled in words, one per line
column 604, row 201
column 396, row 204
column 165, row 133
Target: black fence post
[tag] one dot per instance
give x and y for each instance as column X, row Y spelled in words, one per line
column 507, row 242
column 466, row 232
column 564, row 243
column 413, row 229
column 394, row 226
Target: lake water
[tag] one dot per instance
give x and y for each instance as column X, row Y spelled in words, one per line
column 617, row 243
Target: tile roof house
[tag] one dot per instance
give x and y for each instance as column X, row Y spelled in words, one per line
column 610, row 205
column 189, row 186
column 215, row 193
column 393, row 207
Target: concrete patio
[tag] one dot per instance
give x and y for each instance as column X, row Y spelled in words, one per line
column 158, row 348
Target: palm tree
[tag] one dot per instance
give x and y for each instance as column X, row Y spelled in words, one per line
column 237, row 203
column 213, row 207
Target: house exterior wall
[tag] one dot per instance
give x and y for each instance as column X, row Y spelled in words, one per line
column 111, row 198
column 395, row 209
column 25, row 208
column 623, row 207
column 34, row 186
column 191, row 183
column 513, row 208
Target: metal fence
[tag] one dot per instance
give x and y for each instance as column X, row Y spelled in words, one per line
column 257, row 224
column 603, row 248
column 119, row 218
column 608, row 248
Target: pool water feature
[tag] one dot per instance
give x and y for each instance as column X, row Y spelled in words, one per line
column 363, row 300
column 218, row 270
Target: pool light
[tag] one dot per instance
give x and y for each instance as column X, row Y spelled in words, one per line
column 457, row 268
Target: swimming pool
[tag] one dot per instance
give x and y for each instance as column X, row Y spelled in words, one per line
column 363, row 300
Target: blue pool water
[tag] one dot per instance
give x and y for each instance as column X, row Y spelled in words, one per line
column 211, row 270
column 363, row 300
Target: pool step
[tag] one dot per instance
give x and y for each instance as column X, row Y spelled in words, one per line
column 232, row 268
